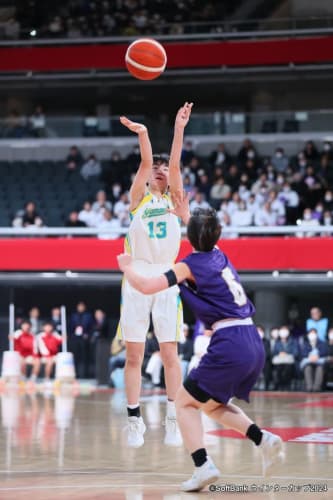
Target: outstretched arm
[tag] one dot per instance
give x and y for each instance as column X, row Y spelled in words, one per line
column 138, row 187
column 175, row 176
column 148, row 286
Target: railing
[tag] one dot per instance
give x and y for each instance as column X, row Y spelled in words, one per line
column 216, row 28
column 229, row 231
column 218, row 123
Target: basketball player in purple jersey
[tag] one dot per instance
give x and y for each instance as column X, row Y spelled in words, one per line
column 235, row 357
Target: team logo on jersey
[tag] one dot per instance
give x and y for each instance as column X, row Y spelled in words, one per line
column 154, row 212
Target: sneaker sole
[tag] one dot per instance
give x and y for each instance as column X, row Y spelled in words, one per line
column 208, row 481
column 277, row 457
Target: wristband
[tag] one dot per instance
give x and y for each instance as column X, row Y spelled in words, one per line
column 171, row 277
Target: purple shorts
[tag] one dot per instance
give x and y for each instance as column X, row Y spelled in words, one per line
column 231, row 366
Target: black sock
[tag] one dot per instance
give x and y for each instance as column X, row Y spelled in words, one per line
column 255, row 434
column 199, row 457
column 134, row 412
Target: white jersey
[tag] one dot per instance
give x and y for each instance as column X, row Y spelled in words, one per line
column 154, row 234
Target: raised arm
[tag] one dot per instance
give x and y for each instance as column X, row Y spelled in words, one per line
column 175, row 176
column 148, row 286
column 138, row 187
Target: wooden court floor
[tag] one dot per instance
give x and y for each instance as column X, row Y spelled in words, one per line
column 61, row 445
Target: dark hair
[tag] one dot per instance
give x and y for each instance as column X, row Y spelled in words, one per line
column 161, row 159
column 204, row 229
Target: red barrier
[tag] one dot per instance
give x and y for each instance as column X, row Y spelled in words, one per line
column 89, row 254
column 180, row 55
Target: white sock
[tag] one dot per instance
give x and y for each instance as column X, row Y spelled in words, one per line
column 131, row 407
column 171, row 409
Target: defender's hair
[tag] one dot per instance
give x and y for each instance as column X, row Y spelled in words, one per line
column 203, row 229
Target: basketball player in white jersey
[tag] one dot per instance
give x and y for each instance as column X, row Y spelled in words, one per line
column 153, row 240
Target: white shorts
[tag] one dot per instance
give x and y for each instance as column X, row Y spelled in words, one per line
column 165, row 307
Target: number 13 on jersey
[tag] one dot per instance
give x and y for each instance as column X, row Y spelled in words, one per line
column 157, row 229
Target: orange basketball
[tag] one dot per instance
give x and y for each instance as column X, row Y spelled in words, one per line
column 145, row 59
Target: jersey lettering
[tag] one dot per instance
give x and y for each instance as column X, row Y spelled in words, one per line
column 235, row 288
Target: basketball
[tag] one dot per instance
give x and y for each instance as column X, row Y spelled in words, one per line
column 145, row 59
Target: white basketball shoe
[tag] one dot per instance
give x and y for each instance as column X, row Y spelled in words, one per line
column 272, row 453
column 135, row 431
column 172, row 432
column 208, row 473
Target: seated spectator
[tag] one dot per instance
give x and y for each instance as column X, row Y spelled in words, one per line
column 285, row 354
column 200, row 347
column 48, row 342
column 252, row 205
column 310, row 151
column 219, row 192
column 73, row 220
column 318, row 212
column 224, row 216
column 280, row 161
column 265, row 216
column 12, row 29
column 219, row 157
column 116, row 191
column 101, row 203
column 232, row 177
column 109, row 228
column 29, row 217
column 56, row 319
column 247, row 152
column 133, row 159
column 318, row 323
column 290, row 199
column 327, row 221
column 91, row 168
column 25, row 344
column 115, row 170
column 262, row 187
column 199, row 202
column 312, row 186
column 187, row 153
column 88, row 215
column 232, row 205
column 328, row 200
column 121, row 207
column 118, row 357
column 185, row 350
column 242, row 217
column 35, row 320
column 277, row 207
column 329, row 360
column 306, row 221
column 313, row 358
column 203, row 184
column 38, row 123
column 74, row 159
column 15, row 125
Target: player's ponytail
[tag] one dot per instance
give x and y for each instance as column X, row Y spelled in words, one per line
column 204, row 229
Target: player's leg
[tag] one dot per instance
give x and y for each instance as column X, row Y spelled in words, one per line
column 167, row 314
column 189, row 421
column 133, row 327
column 136, row 427
column 35, row 368
column 49, row 362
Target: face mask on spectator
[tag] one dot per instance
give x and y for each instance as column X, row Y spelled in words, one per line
column 250, row 154
column 328, row 197
column 312, row 337
column 307, row 216
column 275, row 333
column 286, row 189
column 278, row 154
column 327, row 221
column 327, row 147
column 187, row 170
column 116, row 191
column 319, row 208
column 283, row 333
column 330, row 336
column 280, row 180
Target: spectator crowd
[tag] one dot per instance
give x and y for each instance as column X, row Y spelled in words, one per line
column 247, row 189
column 296, row 358
column 98, row 18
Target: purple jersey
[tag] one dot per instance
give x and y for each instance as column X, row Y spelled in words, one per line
column 217, row 293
